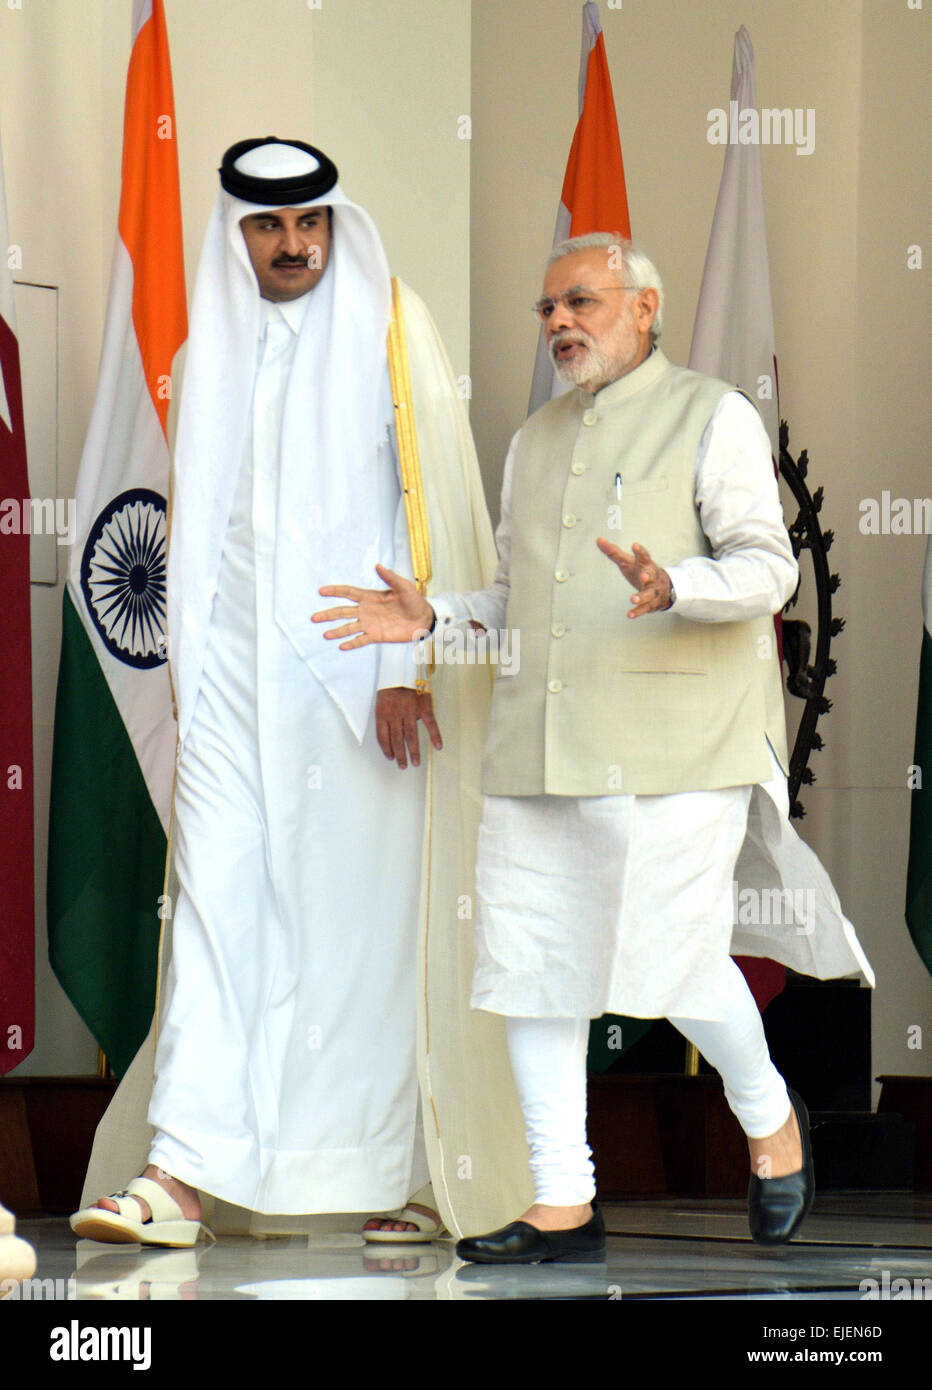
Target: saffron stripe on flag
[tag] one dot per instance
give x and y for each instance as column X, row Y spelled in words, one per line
column 594, row 197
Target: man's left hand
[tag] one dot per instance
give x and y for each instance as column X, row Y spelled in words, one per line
column 396, row 714
column 650, row 582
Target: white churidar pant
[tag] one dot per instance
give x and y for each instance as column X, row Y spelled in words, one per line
column 592, row 905
column 285, row 1070
column 548, row 1057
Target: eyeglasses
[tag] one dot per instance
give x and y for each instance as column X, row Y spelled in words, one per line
column 581, row 300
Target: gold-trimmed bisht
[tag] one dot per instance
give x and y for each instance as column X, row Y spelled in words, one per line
column 409, row 459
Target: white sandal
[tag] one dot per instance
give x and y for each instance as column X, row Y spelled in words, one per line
column 428, row 1228
column 167, row 1226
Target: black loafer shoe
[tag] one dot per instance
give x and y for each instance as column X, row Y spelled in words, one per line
column 777, row 1206
column 520, row 1243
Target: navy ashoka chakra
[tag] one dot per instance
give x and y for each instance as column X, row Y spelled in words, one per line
column 123, row 577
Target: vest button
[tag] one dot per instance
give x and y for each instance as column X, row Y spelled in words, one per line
column 590, row 417
column 558, row 630
column 578, row 468
column 561, row 576
column 554, row 687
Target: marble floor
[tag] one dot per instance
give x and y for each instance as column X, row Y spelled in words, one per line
column 852, row 1246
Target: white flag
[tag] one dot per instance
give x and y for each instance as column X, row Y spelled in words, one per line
column 733, row 337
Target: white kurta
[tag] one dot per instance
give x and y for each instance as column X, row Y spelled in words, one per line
column 625, row 904
column 286, row 1069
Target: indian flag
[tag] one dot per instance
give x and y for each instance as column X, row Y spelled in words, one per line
column 113, row 755
column 594, row 197
column 919, row 873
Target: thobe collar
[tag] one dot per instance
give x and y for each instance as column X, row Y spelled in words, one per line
column 292, row 311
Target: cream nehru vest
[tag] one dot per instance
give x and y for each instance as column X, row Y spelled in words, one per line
column 598, row 704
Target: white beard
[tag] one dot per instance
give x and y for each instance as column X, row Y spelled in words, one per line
column 601, row 364
column 581, row 370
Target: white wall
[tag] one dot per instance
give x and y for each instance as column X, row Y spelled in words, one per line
column 866, row 822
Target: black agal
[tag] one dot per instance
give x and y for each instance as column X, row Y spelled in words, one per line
column 278, row 192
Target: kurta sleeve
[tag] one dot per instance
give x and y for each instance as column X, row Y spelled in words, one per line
column 752, row 572
column 485, row 606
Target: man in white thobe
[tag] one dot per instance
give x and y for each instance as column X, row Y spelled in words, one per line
column 285, row 1077
column 633, row 769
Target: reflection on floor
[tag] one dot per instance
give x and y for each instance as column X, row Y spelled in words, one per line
column 684, row 1249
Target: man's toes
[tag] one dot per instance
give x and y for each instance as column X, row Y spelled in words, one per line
column 387, row 1224
column 108, row 1204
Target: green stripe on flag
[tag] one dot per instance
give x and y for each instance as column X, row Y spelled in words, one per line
column 919, row 874
column 106, row 857
column 610, row 1037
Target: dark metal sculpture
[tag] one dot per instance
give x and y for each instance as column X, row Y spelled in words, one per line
column 806, row 679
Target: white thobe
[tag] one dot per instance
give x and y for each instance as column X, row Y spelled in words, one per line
column 285, row 1070
column 624, row 904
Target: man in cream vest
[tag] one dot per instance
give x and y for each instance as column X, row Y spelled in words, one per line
column 636, row 759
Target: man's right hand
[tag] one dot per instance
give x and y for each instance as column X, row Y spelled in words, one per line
column 396, row 614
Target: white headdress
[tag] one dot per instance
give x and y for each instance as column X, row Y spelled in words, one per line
column 334, row 420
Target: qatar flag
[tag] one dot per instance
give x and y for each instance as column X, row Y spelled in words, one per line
column 17, row 891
